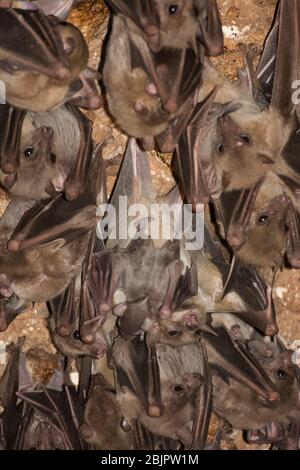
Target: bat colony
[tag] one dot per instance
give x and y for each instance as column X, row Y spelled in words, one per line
column 179, row 334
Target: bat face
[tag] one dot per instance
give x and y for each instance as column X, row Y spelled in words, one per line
column 102, row 407
column 38, row 166
column 259, row 249
column 246, row 151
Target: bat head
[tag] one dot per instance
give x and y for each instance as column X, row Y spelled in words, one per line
column 264, row 241
column 247, row 149
column 184, row 326
column 70, row 343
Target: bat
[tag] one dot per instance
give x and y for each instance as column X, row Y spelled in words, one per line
column 255, row 215
column 48, row 247
column 181, row 24
column 141, row 91
column 277, row 369
column 178, row 394
column 102, row 407
column 45, row 416
column 55, row 73
column 55, row 154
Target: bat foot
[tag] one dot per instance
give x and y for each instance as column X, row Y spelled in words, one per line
column 8, row 168
column 63, row 331
column 85, row 432
column 151, row 89
column 88, row 339
column 140, row 108
column 14, row 245
column 72, row 191
column 154, row 411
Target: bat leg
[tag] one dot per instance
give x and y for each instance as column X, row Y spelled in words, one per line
column 76, row 181
column 204, row 407
column 11, row 124
column 102, row 283
column 154, row 395
column 64, row 310
column 293, row 249
column 212, row 35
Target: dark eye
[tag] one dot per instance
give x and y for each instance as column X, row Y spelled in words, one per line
column 173, row 9
column 178, row 388
column 28, row 153
column 262, row 219
column 76, row 335
column 53, row 158
column 246, row 139
column 173, row 333
column 281, row 374
column 221, row 149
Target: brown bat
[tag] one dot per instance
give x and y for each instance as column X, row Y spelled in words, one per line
column 141, row 91
column 48, row 247
column 263, row 224
column 57, row 71
column 102, row 407
column 54, row 154
column 275, row 366
column 179, row 395
column 37, row 416
column 179, row 24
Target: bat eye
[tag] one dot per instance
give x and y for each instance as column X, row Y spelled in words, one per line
column 173, row 333
column 28, row 153
column 281, row 374
column 221, row 149
column 262, row 219
column 52, row 158
column 178, row 389
column 246, row 139
column 172, row 9
column 76, row 335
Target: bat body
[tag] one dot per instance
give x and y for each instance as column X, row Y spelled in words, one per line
column 141, row 91
column 102, row 407
column 47, row 255
column 55, row 73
